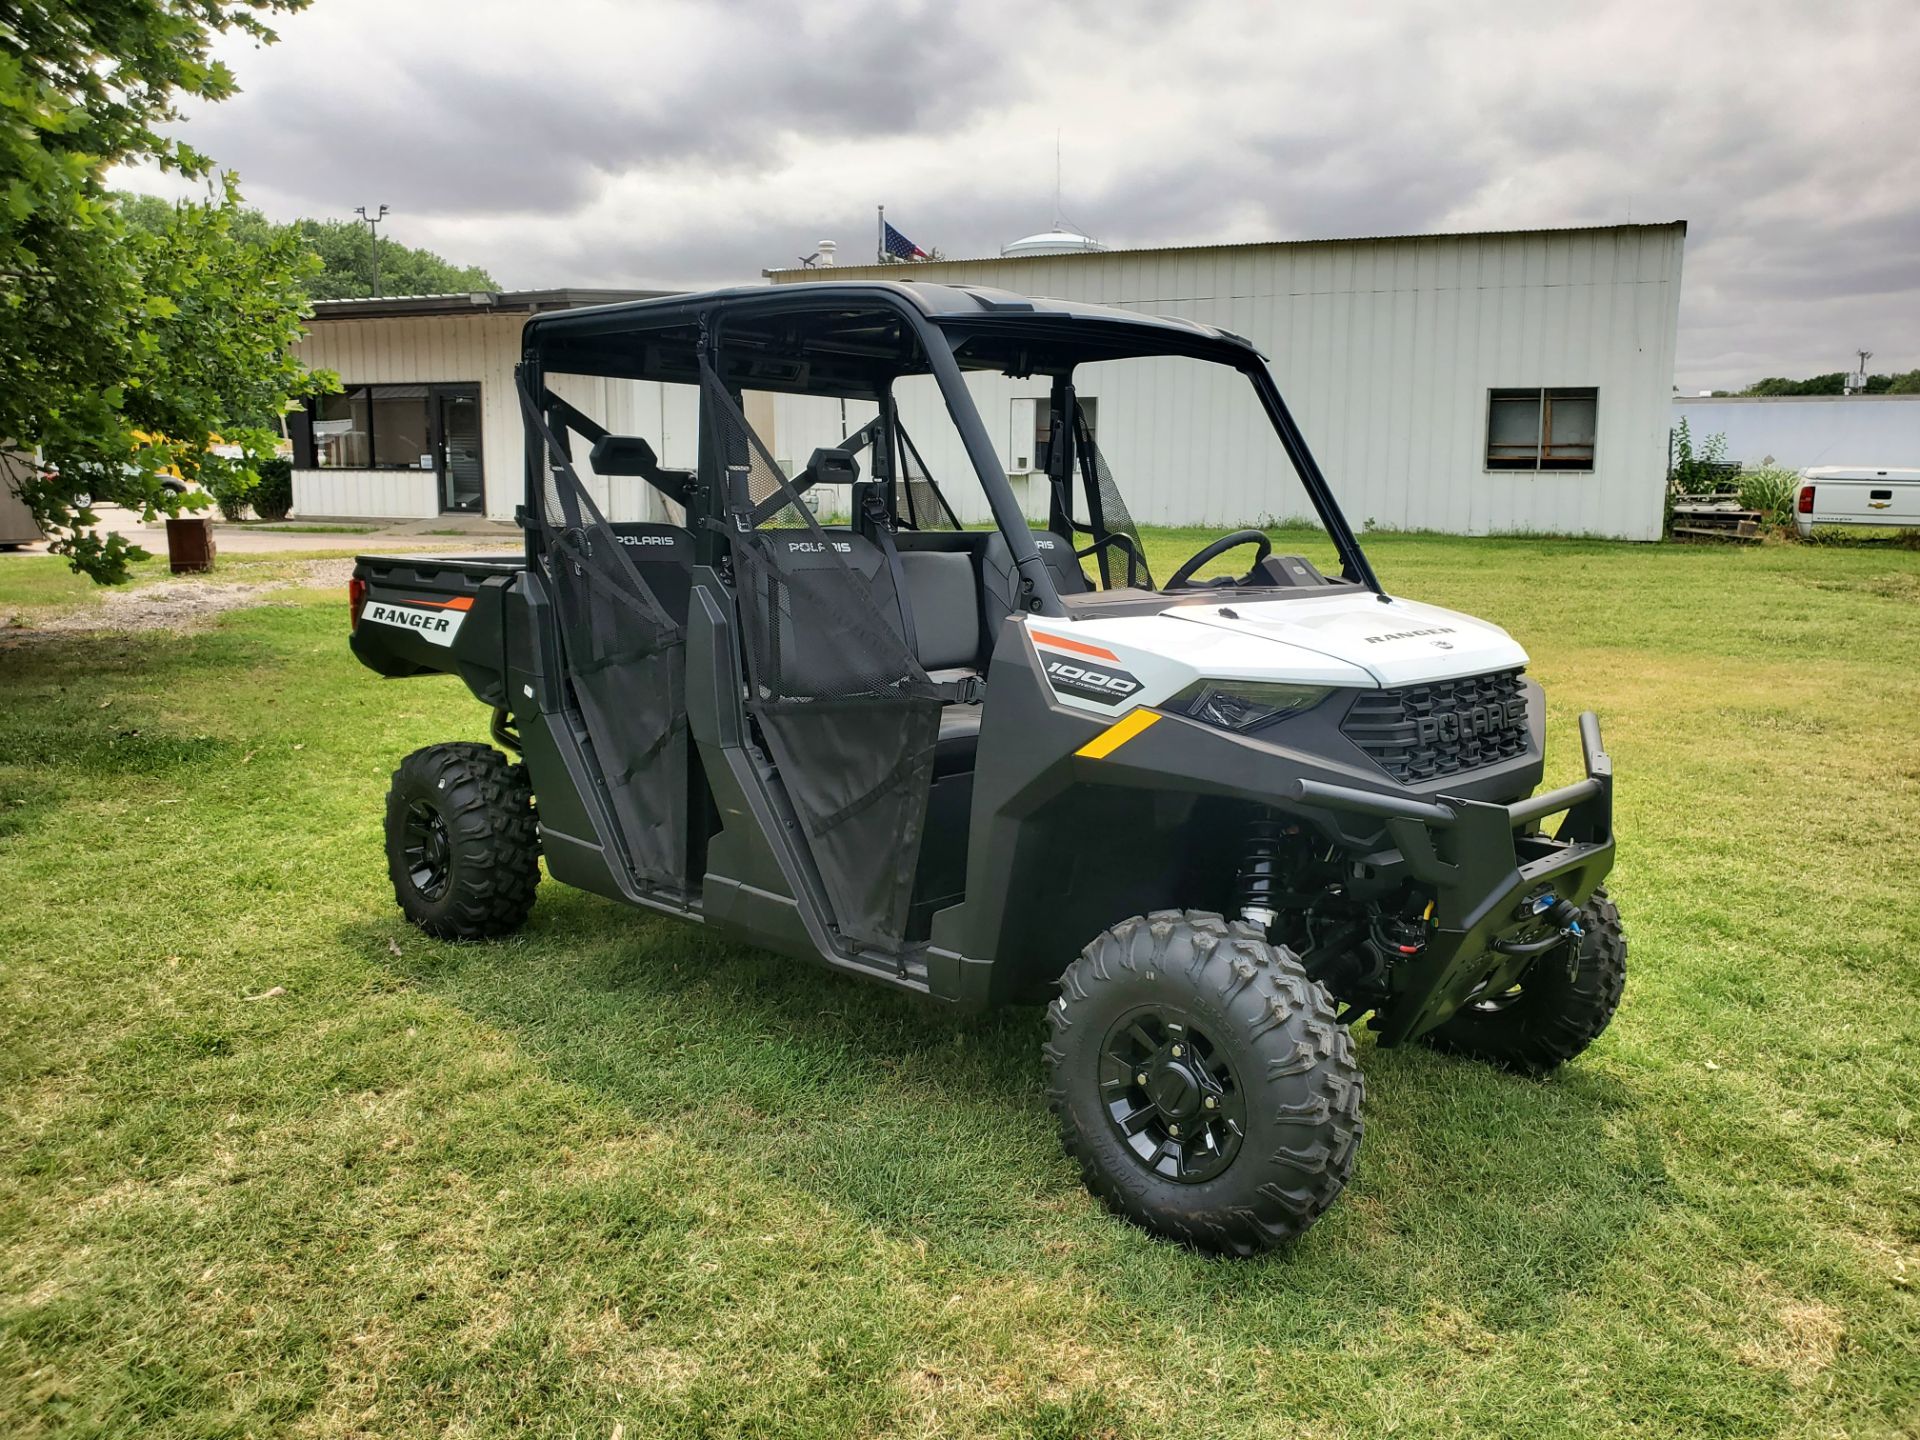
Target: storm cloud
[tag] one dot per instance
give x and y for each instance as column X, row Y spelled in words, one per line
column 599, row 143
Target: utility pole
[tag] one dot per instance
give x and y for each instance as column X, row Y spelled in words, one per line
column 373, row 232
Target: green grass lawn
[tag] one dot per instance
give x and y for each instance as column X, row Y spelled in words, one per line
column 273, row 1163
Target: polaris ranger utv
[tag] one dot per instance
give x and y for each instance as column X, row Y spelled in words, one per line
column 1211, row 821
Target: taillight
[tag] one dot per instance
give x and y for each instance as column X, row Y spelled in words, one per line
column 356, row 601
column 1806, row 499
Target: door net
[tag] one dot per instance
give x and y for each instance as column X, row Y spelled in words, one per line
column 1121, row 556
column 626, row 659
column 917, row 500
column 846, row 711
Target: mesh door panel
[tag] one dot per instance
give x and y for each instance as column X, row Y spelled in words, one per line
column 626, row 660
column 847, row 713
column 777, row 503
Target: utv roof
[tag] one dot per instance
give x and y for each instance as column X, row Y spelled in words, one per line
column 986, row 325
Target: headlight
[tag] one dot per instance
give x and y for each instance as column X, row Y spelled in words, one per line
column 1242, row 704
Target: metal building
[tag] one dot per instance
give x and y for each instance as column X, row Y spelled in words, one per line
column 427, row 422
column 1476, row 383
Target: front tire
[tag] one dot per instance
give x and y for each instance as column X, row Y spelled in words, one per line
column 1202, row 1083
column 463, row 847
column 1555, row 1011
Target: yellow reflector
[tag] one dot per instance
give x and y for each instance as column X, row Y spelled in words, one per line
column 1118, row 733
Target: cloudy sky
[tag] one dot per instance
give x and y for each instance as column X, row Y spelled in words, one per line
column 659, row 143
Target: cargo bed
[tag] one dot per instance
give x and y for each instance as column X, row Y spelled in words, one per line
column 422, row 614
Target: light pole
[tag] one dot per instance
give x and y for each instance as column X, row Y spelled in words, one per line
column 373, row 232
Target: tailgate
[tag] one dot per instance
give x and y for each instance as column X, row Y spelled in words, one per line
column 425, row 614
column 1888, row 499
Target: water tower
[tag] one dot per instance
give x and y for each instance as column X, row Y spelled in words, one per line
column 1053, row 242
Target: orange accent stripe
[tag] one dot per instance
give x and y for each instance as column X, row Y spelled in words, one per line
column 459, row 602
column 1041, row 637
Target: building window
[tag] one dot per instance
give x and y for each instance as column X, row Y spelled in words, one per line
column 1542, row 429
column 369, row 427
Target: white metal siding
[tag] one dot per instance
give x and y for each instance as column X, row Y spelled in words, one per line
column 482, row 349
column 381, row 494
column 1386, row 351
column 1796, row 431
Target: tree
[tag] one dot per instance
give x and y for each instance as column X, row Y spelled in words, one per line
column 1833, row 384
column 1836, row 384
column 346, row 258
column 125, row 350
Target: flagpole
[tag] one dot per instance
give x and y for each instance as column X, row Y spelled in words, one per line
column 880, row 238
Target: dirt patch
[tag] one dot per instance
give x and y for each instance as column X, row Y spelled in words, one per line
column 175, row 606
column 1803, row 1342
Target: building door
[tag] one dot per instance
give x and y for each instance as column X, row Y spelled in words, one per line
column 456, row 428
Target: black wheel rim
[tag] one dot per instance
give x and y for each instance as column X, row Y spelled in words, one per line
column 1171, row 1095
column 429, row 852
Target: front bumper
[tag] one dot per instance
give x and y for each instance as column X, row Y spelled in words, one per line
column 1487, row 865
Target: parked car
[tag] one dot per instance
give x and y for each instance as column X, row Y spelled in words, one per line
column 1857, row 495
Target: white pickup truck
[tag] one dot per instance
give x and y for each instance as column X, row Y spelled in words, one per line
column 1857, row 495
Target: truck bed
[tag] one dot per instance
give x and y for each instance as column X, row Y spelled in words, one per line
column 1858, row 495
column 435, row 614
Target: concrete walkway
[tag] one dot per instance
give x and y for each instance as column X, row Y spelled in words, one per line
column 463, row 532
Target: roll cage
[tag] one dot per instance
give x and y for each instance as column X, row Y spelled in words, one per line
column 852, row 340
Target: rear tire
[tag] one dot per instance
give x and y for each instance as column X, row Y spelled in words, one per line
column 1160, row 1016
column 463, row 846
column 1552, row 1014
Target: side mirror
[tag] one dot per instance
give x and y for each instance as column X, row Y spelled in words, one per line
column 632, row 455
column 833, row 467
column 624, row 455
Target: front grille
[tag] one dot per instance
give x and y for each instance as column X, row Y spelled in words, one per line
column 1421, row 732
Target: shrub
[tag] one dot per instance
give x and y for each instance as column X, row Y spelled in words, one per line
column 1697, row 469
column 1771, row 491
column 273, row 496
column 229, row 481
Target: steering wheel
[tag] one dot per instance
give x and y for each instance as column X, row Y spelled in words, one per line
column 1183, row 577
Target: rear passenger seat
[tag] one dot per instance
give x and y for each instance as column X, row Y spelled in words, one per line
column 664, row 556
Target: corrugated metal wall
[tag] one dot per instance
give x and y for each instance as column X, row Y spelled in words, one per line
column 1798, row 431
column 483, row 349
column 1386, row 350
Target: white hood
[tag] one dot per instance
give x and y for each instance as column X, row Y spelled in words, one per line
column 1398, row 642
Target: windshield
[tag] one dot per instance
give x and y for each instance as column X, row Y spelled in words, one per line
column 1166, row 455
column 1163, row 456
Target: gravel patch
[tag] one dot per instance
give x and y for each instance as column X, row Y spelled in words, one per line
column 176, row 606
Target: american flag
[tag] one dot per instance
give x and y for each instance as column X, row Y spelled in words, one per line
column 901, row 248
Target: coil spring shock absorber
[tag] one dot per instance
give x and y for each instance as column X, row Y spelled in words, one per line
column 1256, row 885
